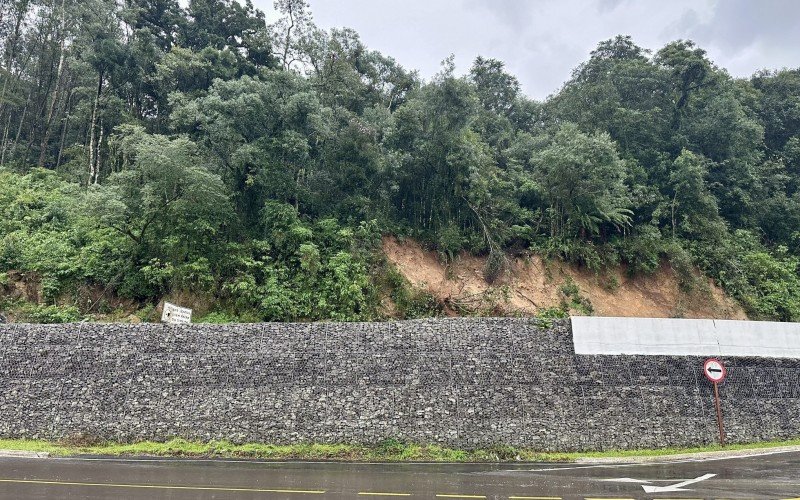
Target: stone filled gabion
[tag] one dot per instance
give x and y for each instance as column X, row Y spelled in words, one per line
column 465, row 382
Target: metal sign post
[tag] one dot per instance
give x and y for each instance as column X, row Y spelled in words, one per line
column 715, row 372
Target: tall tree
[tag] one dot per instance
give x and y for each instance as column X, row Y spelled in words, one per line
column 690, row 70
column 583, row 180
column 497, row 90
column 292, row 33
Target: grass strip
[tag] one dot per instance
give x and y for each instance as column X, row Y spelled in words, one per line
column 387, row 451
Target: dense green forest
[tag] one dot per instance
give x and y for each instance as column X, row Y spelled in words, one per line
column 147, row 147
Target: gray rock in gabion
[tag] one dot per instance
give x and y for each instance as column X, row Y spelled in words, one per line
column 468, row 382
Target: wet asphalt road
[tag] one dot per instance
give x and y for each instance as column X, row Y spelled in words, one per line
column 768, row 476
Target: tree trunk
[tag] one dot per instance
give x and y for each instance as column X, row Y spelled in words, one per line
column 64, row 127
column 93, row 127
column 3, row 95
column 288, row 40
column 4, row 144
column 97, row 156
column 21, row 122
column 674, row 199
column 56, row 93
column 13, row 39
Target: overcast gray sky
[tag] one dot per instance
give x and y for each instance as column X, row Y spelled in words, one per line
column 541, row 41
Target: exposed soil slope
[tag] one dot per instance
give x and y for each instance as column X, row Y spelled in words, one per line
column 533, row 284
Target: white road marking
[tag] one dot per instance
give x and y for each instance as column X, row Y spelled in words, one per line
column 641, row 481
column 676, row 486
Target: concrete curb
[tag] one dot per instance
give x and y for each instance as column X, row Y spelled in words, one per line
column 23, row 454
column 690, row 457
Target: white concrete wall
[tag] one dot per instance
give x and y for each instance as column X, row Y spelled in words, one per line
column 685, row 337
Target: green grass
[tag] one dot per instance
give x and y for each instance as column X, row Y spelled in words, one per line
column 387, row 451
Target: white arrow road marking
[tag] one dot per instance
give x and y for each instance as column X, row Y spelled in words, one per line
column 627, row 480
column 676, row 486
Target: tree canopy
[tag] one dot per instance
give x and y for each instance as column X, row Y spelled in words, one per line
column 149, row 146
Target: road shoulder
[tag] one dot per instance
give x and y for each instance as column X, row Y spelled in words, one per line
column 698, row 456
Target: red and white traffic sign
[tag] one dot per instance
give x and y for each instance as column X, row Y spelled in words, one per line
column 714, row 370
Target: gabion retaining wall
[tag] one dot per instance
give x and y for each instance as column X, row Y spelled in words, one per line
column 460, row 382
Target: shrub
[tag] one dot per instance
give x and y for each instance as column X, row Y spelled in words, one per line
column 37, row 313
column 217, row 317
column 643, row 251
column 496, row 265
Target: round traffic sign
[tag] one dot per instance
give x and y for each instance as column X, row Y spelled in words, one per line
column 714, row 370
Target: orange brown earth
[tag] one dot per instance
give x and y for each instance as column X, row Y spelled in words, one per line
column 533, row 284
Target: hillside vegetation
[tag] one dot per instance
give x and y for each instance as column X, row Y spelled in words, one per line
column 151, row 150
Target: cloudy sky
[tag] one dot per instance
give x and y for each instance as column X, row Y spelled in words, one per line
column 542, row 40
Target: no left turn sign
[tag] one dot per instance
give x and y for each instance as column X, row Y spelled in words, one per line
column 714, row 370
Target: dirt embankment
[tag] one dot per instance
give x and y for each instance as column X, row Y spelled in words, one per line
column 531, row 284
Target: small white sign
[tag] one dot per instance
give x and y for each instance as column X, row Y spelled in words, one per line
column 175, row 314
